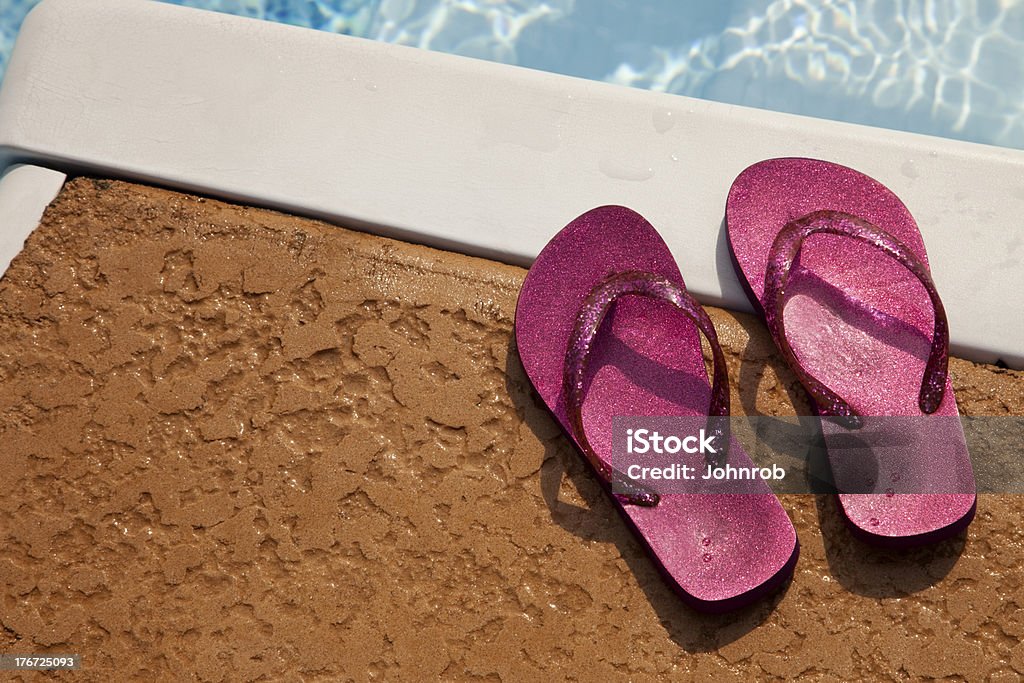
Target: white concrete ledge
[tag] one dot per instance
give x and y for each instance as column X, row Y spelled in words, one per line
column 25, row 192
column 479, row 157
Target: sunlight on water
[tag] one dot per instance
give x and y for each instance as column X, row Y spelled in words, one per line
column 953, row 68
column 488, row 29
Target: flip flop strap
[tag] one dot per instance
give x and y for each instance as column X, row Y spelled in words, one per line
column 588, row 322
column 783, row 254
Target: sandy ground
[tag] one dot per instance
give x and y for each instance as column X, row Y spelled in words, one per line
column 237, row 444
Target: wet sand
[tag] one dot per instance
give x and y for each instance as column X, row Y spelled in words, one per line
column 235, row 443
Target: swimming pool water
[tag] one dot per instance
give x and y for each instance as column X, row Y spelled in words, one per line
column 953, row 68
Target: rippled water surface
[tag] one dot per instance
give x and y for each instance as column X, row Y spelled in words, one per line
column 944, row 67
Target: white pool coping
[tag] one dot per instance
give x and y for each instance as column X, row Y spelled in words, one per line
column 470, row 155
column 25, row 192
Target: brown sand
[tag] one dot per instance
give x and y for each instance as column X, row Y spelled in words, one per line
column 237, row 444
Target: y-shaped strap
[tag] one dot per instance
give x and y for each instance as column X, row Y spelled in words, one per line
column 780, row 263
column 592, row 313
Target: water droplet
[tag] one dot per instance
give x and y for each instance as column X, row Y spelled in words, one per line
column 372, row 87
column 908, row 169
column 706, row 541
column 625, row 170
column 673, row 157
column 707, row 557
column 873, row 521
column 662, row 120
column 889, row 493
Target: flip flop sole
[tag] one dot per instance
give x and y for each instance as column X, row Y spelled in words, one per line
column 718, row 551
column 860, row 323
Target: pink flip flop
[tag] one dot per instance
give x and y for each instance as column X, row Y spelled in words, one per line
column 719, row 551
column 865, row 332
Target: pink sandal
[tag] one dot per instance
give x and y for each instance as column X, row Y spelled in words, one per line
column 645, row 359
column 865, row 332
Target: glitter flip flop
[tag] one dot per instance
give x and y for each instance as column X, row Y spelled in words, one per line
column 719, row 551
column 837, row 266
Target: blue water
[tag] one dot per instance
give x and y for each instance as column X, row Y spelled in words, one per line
column 953, row 68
